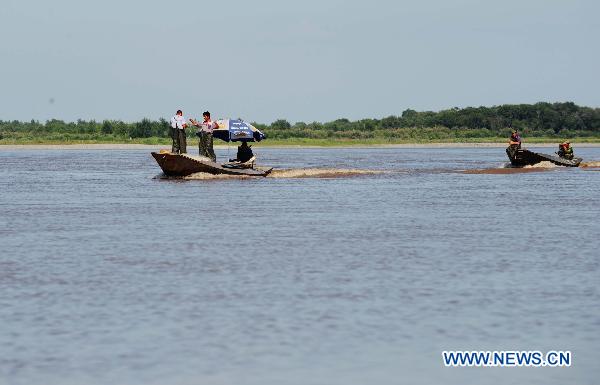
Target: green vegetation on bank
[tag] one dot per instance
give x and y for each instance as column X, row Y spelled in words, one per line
column 538, row 122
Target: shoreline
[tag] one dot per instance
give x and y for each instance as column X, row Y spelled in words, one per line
column 126, row 146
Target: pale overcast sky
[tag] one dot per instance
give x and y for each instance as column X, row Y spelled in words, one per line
column 310, row 60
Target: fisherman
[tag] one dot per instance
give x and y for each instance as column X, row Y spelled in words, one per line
column 514, row 144
column 244, row 152
column 205, row 135
column 178, row 127
column 565, row 150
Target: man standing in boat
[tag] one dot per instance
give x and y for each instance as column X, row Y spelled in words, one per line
column 514, row 143
column 178, row 127
column 205, row 135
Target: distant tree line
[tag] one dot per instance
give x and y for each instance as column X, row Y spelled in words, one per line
column 85, row 130
column 540, row 119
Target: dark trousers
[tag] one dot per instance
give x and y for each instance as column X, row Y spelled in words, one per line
column 179, row 141
column 205, row 145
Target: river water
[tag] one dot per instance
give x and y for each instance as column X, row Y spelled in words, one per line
column 362, row 273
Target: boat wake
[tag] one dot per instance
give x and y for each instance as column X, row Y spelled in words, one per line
column 282, row 173
column 295, row 173
column 320, row 173
column 544, row 164
column 292, row 173
column 507, row 168
column 593, row 164
column 207, row 176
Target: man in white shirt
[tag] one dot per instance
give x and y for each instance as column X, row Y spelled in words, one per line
column 205, row 134
column 178, row 126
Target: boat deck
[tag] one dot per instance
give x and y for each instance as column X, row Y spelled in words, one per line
column 184, row 164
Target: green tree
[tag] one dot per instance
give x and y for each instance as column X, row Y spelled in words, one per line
column 107, row 127
column 141, row 129
column 280, row 124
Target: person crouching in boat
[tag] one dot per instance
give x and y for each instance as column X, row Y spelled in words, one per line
column 514, row 143
column 565, row 150
column 244, row 153
column 205, row 135
column 178, row 127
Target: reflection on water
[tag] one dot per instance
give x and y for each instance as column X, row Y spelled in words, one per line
column 350, row 277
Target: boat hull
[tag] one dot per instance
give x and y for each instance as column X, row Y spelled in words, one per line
column 183, row 165
column 524, row 157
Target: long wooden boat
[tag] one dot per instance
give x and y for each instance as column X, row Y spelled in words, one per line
column 523, row 157
column 184, row 164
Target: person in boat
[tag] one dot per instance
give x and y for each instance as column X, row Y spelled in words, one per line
column 565, row 150
column 205, row 135
column 244, row 153
column 178, row 127
column 514, row 144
